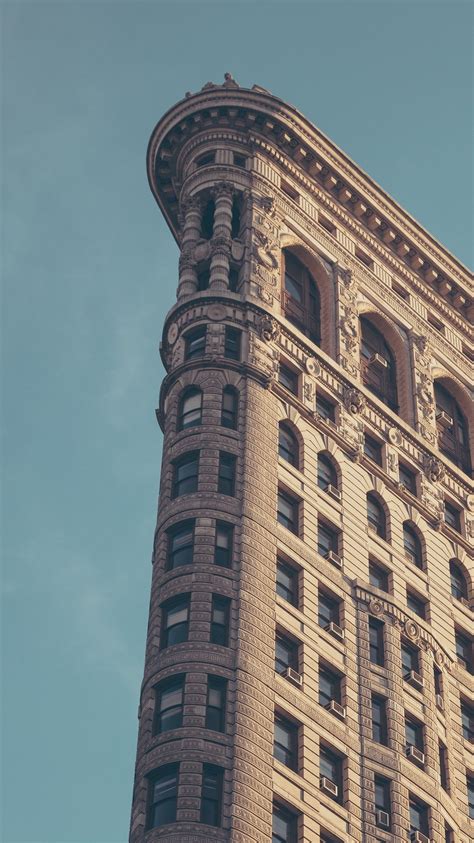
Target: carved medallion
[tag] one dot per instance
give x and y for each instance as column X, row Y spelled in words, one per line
column 312, row 366
column 354, row 401
column 394, row 436
column 411, row 630
column 172, row 333
column 216, row 312
column 375, row 606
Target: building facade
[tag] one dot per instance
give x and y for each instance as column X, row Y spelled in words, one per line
column 309, row 663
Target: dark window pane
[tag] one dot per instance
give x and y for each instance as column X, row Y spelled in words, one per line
column 327, row 475
column 300, row 297
column 452, row 516
column 414, row 734
column 378, row 576
column 288, row 378
column 285, row 742
column 410, row 659
column 376, row 516
column 211, row 795
column 416, row 604
column 329, row 686
column 288, row 445
column 379, row 720
column 328, row 539
column 232, row 343
column 284, row 825
column 467, row 717
column 287, row 583
column 181, row 545
column 169, row 705
column 378, row 366
column 412, row 545
column 220, row 620
column 407, row 478
column 286, row 654
column 230, row 405
column 195, row 343
column 223, row 546
column 328, row 609
column 190, row 409
column 325, row 408
column 162, row 796
column 207, row 219
column 186, row 472
column 464, row 651
column 376, row 642
column 287, row 513
column 458, row 582
column 226, row 477
column 419, row 817
column 453, row 430
column 372, row 449
column 470, row 795
column 330, row 766
column 175, row 623
column 382, row 794
column 216, row 700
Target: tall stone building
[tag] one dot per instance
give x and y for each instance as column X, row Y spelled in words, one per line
column 309, row 664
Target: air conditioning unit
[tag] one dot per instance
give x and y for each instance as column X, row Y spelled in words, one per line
column 378, row 360
column 293, row 676
column 414, row 679
column 440, row 702
column 415, row 754
column 331, row 556
column 337, row 709
column 444, row 419
column 382, row 819
column 328, row 786
column 419, row 837
column 335, row 493
column 335, row 630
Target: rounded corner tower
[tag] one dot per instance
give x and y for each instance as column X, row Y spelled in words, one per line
column 309, row 662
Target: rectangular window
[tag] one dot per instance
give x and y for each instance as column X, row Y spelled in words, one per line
column 464, row 650
column 169, row 697
column 216, row 701
column 410, row 659
column 284, row 825
column 329, row 686
column 419, row 816
column 286, row 653
column 232, row 343
column 288, row 378
column 287, row 582
column 287, row 512
column 452, row 516
column 224, row 544
column 220, row 620
column 414, row 734
column 230, row 408
column 325, row 408
column 330, row 768
column 186, row 474
column 438, row 683
column 285, row 742
column 205, row 158
column 373, row 449
column 382, row 801
column 162, row 796
column 407, row 478
column 195, row 343
column 226, row 476
column 467, row 717
column 328, row 609
column 364, row 258
column 376, row 641
column 180, row 545
column 379, row 720
column 443, row 765
column 211, row 794
column 328, row 538
column 239, row 160
column 416, row 604
column 378, row 576
column 327, row 224
column 175, row 621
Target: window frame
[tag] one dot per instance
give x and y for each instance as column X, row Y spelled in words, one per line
column 292, row 647
column 208, row 801
column 288, row 452
column 183, row 601
column 326, row 472
column 379, row 724
column 232, row 343
column 288, row 378
column 380, row 380
column 216, row 684
column 412, row 545
column 171, row 683
column 230, row 416
column 191, row 481
column 227, row 473
column 219, row 630
column 285, row 753
column 196, row 335
column 335, row 763
column 379, row 526
column 292, row 503
column 224, row 528
column 189, row 393
column 163, row 772
column 376, row 641
column 304, row 310
column 182, row 528
column 293, row 576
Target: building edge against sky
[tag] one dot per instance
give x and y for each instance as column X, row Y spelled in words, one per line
column 309, row 670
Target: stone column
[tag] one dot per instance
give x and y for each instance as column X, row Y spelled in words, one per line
column 191, row 209
column 221, row 237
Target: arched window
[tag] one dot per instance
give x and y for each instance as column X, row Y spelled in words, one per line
column 458, row 581
column 378, row 368
column 230, row 407
column 190, row 409
column 376, row 516
column 288, row 445
column 300, row 297
column 412, row 545
column 453, row 431
column 327, row 474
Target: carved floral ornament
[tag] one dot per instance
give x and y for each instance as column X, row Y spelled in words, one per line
column 354, row 401
column 407, row 627
column 434, row 469
column 268, row 328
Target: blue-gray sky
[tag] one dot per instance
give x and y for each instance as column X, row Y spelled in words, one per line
column 89, row 272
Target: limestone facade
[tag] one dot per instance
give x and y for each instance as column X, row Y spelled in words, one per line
column 287, row 250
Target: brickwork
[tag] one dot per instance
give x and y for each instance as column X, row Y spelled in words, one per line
column 244, row 181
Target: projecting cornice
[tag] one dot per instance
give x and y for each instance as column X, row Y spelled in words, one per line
column 278, row 131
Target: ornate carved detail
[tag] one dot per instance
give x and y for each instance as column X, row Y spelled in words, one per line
column 216, row 312
column 346, row 276
column 222, row 188
column 268, row 328
column 412, row 630
column 354, row 401
column 349, row 328
column 470, row 503
column 434, row 469
column 312, row 366
column 186, row 259
column 202, row 250
column 267, row 203
column 221, row 245
column 309, row 390
column 425, row 396
column 263, row 251
column 172, row 334
column 394, row 436
column 376, row 606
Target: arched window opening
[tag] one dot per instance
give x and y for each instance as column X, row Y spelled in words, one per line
column 288, row 448
column 207, row 220
column 453, row 430
column 378, row 367
column 412, row 545
column 236, row 218
column 230, row 407
column 327, row 475
column 190, row 409
column 458, row 582
column 300, row 297
column 376, row 516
